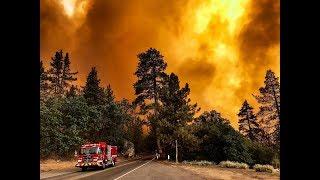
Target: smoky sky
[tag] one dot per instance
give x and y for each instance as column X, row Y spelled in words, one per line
column 257, row 39
column 109, row 35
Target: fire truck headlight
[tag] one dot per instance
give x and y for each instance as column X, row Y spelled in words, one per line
column 79, row 160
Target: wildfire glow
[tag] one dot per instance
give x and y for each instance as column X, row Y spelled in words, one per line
column 69, row 6
column 227, row 10
column 75, row 8
column 222, row 48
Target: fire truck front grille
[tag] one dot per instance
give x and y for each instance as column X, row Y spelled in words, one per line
column 87, row 159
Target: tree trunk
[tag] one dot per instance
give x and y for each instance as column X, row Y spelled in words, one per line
column 176, row 151
column 250, row 130
column 159, row 145
column 276, row 101
column 156, row 111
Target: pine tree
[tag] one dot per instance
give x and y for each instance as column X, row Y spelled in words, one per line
column 176, row 105
column 248, row 125
column 72, row 92
column 55, row 73
column 60, row 75
column 175, row 113
column 67, row 75
column 150, row 74
column 43, row 81
column 92, row 92
column 109, row 94
column 269, row 112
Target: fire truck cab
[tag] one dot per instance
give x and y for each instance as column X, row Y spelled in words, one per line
column 96, row 155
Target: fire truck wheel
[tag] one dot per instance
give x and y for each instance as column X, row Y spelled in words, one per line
column 83, row 168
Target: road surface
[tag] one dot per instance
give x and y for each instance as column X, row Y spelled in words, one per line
column 145, row 168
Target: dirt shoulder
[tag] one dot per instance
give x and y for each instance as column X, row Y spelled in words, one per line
column 216, row 172
column 63, row 165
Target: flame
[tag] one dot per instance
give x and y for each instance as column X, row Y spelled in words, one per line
column 75, row 7
column 216, row 26
column 69, row 6
column 228, row 10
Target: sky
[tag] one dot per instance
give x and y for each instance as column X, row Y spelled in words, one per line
column 222, row 48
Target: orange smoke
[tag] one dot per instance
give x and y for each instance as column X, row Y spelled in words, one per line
column 222, row 48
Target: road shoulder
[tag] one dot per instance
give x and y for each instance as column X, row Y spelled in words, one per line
column 53, row 168
column 216, row 172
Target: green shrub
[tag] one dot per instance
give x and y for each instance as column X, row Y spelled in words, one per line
column 276, row 162
column 231, row 164
column 219, row 140
column 264, row 168
column 261, row 154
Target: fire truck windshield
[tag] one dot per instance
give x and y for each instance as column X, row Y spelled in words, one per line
column 89, row 150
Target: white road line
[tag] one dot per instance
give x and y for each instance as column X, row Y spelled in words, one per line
column 93, row 173
column 133, row 169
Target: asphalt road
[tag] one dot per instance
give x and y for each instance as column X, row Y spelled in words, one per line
column 145, row 168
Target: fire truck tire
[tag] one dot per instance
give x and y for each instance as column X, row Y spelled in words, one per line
column 84, row 168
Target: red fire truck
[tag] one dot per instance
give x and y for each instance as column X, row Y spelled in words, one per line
column 97, row 155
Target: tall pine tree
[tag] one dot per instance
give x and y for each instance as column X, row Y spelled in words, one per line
column 60, row 75
column 55, row 73
column 176, row 105
column 269, row 112
column 175, row 113
column 67, row 75
column 92, row 92
column 150, row 74
column 248, row 125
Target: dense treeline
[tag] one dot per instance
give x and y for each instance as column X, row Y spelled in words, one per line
column 72, row 115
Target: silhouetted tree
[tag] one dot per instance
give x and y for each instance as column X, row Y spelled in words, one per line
column 67, row 75
column 60, row 74
column 43, row 81
column 111, row 117
column 269, row 99
column 55, row 73
column 248, row 125
column 92, row 92
column 109, row 95
column 150, row 73
column 72, row 92
column 174, row 113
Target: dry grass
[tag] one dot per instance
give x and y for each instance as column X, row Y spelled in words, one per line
column 50, row 164
column 216, row 172
column 231, row 164
column 61, row 165
column 199, row 163
column 264, row 168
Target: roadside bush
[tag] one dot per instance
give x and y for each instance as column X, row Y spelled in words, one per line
column 199, row 163
column 264, row 168
column 231, row 164
column 276, row 162
column 219, row 140
column 261, row 154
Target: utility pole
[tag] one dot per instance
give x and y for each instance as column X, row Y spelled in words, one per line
column 176, row 151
